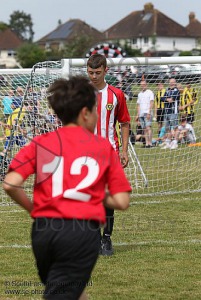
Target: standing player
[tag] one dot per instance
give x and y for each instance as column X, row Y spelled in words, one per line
column 111, row 107
column 73, row 170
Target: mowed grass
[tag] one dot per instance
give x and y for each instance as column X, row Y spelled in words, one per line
column 157, row 244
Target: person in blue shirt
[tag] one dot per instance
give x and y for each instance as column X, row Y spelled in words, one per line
column 7, row 102
column 171, row 105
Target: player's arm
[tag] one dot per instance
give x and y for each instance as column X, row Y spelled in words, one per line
column 118, row 201
column 125, row 139
column 13, row 187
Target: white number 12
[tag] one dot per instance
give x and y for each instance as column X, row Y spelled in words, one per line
column 56, row 167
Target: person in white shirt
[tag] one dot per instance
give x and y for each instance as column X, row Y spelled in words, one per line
column 186, row 131
column 184, row 134
column 145, row 103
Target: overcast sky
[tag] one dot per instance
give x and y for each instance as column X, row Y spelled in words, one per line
column 99, row 14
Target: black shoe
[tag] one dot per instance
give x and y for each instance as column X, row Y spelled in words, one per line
column 148, row 146
column 106, row 248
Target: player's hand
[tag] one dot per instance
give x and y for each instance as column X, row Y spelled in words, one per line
column 124, row 159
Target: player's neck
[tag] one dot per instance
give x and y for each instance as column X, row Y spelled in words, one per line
column 101, row 86
column 71, row 125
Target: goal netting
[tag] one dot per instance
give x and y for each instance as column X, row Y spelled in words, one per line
column 151, row 171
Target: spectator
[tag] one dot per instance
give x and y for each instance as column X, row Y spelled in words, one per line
column 7, row 104
column 138, row 136
column 186, row 133
column 74, row 180
column 171, row 105
column 145, row 103
column 18, row 98
column 183, row 134
column 159, row 106
column 189, row 99
column 34, row 100
column 15, row 133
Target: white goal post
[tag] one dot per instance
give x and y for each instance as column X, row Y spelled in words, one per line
column 151, row 171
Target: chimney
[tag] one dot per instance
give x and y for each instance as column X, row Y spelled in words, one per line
column 191, row 17
column 148, row 8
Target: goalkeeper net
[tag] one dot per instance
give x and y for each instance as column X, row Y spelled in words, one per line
column 151, row 171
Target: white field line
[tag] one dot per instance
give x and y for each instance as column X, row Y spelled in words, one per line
column 12, row 211
column 142, row 243
column 131, row 203
column 164, row 201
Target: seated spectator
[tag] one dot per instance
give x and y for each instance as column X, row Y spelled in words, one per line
column 183, row 134
column 138, row 136
column 186, row 133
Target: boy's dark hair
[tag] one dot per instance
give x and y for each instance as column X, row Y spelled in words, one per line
column 96, row 61
column 183, row 118
column 68, row 97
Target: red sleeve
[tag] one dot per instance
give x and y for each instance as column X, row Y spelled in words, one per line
column 24, row 161
column 122, row 113
column 117, row 181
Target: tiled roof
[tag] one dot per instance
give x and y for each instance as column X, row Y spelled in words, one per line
column 9, row 40
column 69, row 30
column 145, row 22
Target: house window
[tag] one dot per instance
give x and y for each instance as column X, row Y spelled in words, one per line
column 134, row 41
column 11, row 53
column 174, row 43
column 146, row 40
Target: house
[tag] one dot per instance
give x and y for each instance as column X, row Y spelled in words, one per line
column 151, row 31
column 9, row 42
column 65, row 33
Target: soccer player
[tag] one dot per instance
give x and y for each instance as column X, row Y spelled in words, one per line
column 111, row 107
column 76, row 174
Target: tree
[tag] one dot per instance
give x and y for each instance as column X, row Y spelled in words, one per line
column 22, row 24
column 29, row 54
column 132, row 52
column 3, row 26
column 77, row 47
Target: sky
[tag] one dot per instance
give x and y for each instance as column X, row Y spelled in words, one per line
column 98, row 14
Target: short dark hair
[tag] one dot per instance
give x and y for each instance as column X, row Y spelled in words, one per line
column 68, row 97
column 183, row 118
column 96, row 61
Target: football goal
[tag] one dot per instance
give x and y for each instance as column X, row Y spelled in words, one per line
column 151, row 171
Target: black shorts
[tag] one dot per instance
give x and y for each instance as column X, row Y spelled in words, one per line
column 66, row 252
column 160, row 115
column 190, row 118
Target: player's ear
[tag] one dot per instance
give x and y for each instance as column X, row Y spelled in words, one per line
column 84, row 113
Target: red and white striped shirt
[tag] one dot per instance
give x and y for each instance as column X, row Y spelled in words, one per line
column 111, row 107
